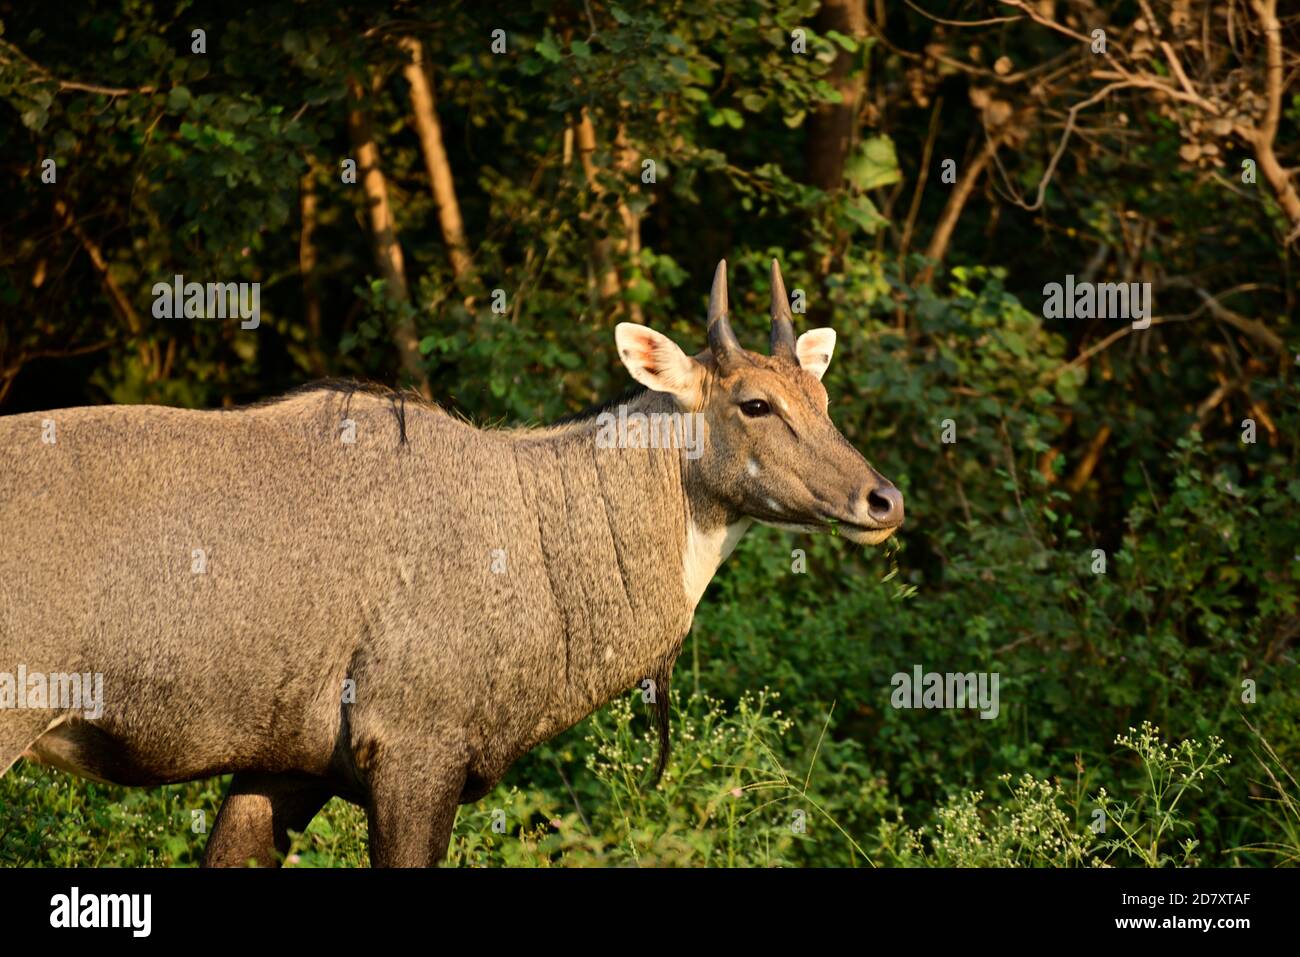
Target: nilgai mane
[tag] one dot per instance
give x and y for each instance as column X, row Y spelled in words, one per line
column 337, row 594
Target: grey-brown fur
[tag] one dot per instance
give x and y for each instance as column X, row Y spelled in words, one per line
column 374, row 562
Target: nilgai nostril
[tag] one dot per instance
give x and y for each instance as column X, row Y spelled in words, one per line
column 351, row 594
column 885, row 505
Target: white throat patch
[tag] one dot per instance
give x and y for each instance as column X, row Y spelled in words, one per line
column 704, row 553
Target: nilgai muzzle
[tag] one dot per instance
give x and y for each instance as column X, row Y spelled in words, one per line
column 341, row 593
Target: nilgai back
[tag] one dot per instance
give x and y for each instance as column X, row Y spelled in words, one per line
column 353, row 594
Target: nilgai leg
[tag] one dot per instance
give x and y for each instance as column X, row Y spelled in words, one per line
column 19, row 730
column 412, row 809
column 257, row 815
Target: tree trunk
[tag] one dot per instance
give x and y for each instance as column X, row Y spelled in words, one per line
column 149, row 358
column 629, row 246
column 832, row 126
column 607, row 285
column 429, row 131
column 307, row 260
column 942, row 235
column 1275, row 89
column 383, row 232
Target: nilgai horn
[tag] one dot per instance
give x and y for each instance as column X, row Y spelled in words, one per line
column 343, row 593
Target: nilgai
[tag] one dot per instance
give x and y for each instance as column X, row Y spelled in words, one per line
column 337, row 593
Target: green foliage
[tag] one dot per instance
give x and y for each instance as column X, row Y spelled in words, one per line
column 729, row 800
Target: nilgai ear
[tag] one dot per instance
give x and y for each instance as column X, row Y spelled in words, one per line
column 658, row 363
column 814, row 350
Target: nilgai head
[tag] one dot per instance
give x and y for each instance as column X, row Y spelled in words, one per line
column 770, row 450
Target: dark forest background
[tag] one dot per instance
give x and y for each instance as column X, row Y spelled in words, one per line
column 922, row 170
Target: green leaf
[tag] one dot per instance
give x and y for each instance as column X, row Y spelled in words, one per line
column 873, row 164
column 847, row 43
column 547, row 49
column 862, row 211
column 35, row 119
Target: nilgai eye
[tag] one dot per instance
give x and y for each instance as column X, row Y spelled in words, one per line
column 755, row 407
